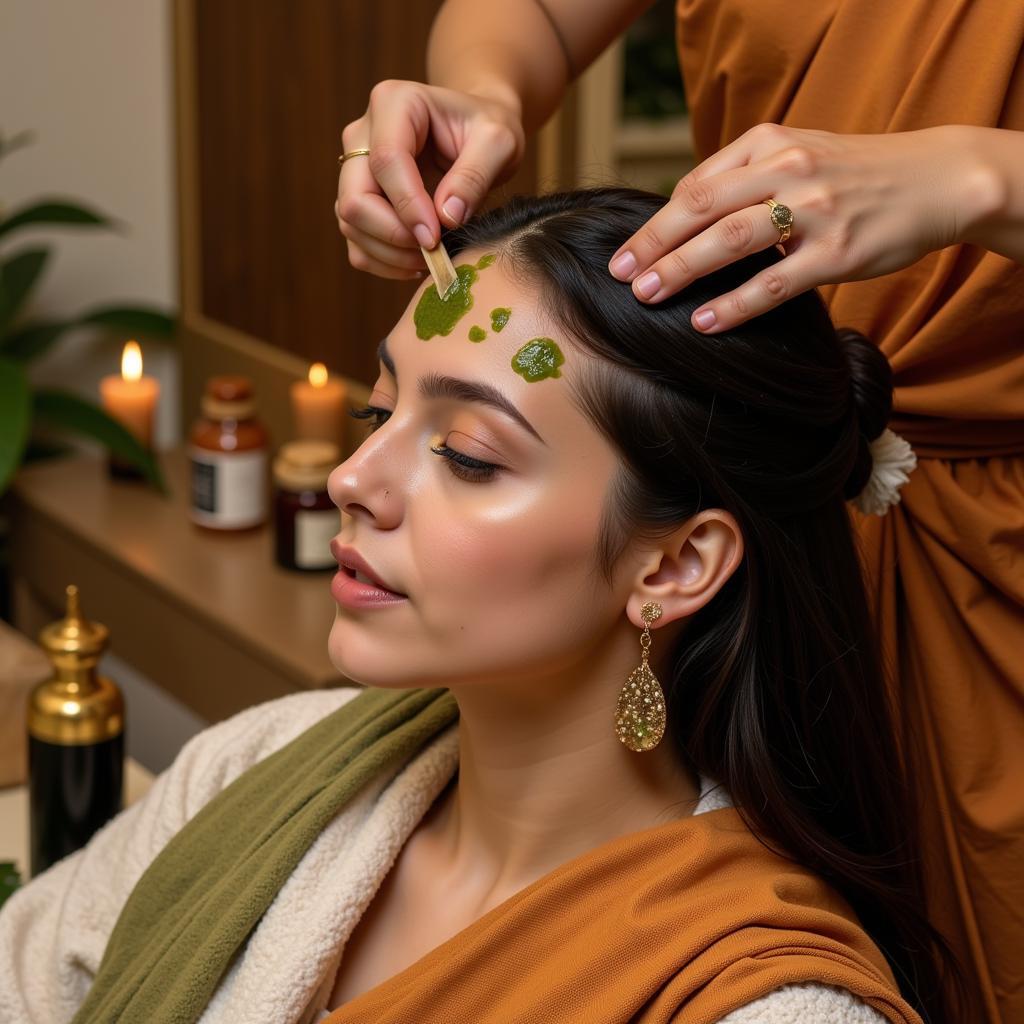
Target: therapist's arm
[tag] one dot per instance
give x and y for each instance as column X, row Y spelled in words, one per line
column 524, row 52
column 435, row 149
column 999, row 152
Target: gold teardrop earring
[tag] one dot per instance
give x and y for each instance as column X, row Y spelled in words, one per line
column 640, row 711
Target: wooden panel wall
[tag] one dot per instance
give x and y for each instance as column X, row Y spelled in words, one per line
column 273, row 84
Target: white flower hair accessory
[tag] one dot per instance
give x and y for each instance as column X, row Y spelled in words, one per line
column 892, row 461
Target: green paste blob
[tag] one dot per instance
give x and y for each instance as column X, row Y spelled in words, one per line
column 485, row 261
column 537, row 359
column 477, row 333
column 500, row 317
column 436, row 316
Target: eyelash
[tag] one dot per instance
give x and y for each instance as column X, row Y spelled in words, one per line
column 462, row 466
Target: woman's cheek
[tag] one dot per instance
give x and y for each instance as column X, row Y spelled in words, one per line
column 513, row 565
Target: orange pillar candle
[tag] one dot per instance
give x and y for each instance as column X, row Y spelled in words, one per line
column 131, row 397
column 318, row 407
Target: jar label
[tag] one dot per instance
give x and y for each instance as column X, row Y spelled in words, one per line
column 313, row 533
column 229, row 489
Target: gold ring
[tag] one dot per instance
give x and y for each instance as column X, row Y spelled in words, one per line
column 782, row 218
column 354, row 152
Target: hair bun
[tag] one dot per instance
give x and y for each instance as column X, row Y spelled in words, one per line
column 871, row 390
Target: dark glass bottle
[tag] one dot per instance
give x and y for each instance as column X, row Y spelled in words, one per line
column 305, row 518
column 75, row 741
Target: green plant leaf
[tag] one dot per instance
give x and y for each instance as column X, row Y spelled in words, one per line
column 31, row 340
column 9, row 143
column 67, row 411
column 55, row 211
column 15, row 417
column 39, row 449
column 145, row 321
column 10, row 879
column 18, row 274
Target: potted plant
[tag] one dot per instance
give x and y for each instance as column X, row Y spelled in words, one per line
column 32, row 419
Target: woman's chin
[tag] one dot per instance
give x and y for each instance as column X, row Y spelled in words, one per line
column 366, row 660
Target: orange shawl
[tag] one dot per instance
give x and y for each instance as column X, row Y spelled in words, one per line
column 944, row 566
column 681, row 923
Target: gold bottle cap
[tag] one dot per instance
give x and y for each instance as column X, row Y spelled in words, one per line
column 74, row 634
column 76, row 706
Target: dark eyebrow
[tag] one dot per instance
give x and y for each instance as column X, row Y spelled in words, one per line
column 435, row 385
column 385, row 357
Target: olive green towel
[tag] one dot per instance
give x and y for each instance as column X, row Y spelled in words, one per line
column 196, row 904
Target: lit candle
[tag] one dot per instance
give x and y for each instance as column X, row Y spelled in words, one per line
column 131, row 397
column 318, row 407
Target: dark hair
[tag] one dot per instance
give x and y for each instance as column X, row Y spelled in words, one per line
column 776, row 687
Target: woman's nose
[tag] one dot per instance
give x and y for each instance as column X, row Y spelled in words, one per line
column 362, row 487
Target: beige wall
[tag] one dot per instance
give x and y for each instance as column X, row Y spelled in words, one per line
column 92, row 80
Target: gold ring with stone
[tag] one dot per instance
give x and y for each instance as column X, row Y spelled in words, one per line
column 351, row 153
column 782, row 218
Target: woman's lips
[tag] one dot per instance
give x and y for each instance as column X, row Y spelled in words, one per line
column 368, row 592
column 354, row 563
column 351, row 593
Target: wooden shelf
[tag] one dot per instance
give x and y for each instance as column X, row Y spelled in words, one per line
column 207, row 616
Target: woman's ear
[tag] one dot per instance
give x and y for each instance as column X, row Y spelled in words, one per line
column 688, row 567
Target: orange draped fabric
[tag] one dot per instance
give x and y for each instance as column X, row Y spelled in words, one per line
column 678, row 924
column 945, row 566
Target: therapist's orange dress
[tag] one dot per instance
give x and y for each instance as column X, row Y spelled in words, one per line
column 946, row 565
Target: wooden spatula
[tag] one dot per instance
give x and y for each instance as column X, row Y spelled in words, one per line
column 441, row 269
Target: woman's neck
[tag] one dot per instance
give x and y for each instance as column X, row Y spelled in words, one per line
column 539, row 784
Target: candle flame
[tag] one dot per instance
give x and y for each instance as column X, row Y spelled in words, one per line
column 318, row 375
column 131, row 361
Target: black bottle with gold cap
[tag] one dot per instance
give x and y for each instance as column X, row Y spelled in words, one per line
column 75, row 741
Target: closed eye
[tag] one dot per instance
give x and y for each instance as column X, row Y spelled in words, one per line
column 463, row 466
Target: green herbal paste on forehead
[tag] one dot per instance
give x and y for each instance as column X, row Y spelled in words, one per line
column 500, row 317
column 538, row 359
column 477, row 333
column 433, row 316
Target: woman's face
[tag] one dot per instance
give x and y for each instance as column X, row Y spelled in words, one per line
column 497, row 565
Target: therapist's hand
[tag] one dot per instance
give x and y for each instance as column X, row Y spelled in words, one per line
column 863, row 205
column 435, row 153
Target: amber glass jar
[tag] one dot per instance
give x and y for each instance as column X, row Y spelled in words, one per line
column 305, row 518
column 228, row 452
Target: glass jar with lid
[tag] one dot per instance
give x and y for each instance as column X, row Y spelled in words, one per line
column 305, row 518
column 228, row 453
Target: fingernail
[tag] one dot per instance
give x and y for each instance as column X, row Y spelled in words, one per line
column 423, row 236
column 648, row 284
column 704, row 319
column 623, row 265
column 454, row 209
